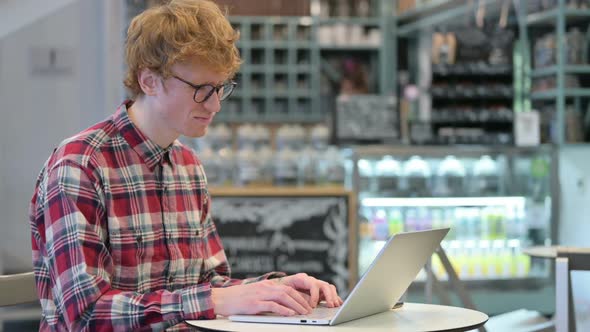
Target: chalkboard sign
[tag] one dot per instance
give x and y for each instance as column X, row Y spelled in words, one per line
column 288, row 230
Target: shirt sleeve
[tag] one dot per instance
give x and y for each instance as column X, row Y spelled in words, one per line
column 216, row 269
column 79, row 264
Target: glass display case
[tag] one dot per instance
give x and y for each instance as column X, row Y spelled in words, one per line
column 495, row 200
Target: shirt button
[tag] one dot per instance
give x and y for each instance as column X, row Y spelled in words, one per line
column 170, row 279
column 198, row 233
column 139, row 239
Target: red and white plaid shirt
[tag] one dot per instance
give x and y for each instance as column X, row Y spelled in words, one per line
column 122, row 234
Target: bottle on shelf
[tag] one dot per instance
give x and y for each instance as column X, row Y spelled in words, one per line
column 265, row 158
column 261, row 136
column 473, row 260
column 416, row 174
column 247, row 167
column 387, row 174
column 285, row 167
column 486, row 177
column 486, row 258
column 503, row 259
column 298, row 136
column 319, row 137
column 451, row 176
column 335, row 166
column 308, row 165
column 366, row 173
column 380, row 224
column 437, row 218
column 411, row 220
column 365, row 242
column 521, row 263
column 222, row 138
column 474, row 222
column 395, row 221
column 449, row 221
column 246, row 136
column 211, row 165
column 460, row 223
column 226, row 165
column 424, row 219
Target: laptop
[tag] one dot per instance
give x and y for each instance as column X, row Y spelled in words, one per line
column 391, row 273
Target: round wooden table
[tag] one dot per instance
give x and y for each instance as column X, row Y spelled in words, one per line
column 411, row 317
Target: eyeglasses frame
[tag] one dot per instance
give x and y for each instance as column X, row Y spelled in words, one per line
column 215, row 88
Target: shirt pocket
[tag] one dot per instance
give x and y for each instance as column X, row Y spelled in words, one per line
column 139, row 256
column 190, row 235
column 195, row 253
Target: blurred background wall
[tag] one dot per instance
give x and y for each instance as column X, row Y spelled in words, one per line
column 56, row 62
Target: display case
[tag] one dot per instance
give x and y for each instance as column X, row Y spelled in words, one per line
column 496, row 201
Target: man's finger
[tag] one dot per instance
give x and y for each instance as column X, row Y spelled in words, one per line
column 328, row 295
column 270, row 306
column 305, row 296
column 314, row 294
column 290, row 298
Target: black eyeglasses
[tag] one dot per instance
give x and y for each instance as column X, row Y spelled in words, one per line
column 204, row 91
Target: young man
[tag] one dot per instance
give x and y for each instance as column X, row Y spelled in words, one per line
column 122, row 232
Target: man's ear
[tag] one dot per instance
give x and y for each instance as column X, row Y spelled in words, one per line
column 148, row 81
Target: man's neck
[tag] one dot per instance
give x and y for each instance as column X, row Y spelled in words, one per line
column 147, row 120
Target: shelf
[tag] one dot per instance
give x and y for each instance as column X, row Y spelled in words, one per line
column 473, row 97
column 280, row 72
column 293, row 93
column 281, row 69
column 444, row 201
column 549, row 17
column 432, row 7
column 261, row 20
column 436, row 13
column 350, row 20
column 258, row 94
column 369, row 48
column 544, row 95
column 473, row 123
column 275, row 44
column 262, row 190
column 271, row 118
column 258, row 68
column 582, row 145
column 303, row 69
column 446, row 71
column 568, row 93
column 532, row 281
column 541, row 17
column 552, row 70
column 277, row 94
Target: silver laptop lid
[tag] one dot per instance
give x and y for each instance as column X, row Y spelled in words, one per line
column 390, row 274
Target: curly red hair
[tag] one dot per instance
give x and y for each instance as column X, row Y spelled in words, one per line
column 177, row 31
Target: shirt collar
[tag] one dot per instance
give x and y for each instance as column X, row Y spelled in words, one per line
column 151, row 153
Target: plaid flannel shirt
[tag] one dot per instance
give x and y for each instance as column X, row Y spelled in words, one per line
column 122, row 234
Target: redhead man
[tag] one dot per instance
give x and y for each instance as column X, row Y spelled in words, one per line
column 122, row 233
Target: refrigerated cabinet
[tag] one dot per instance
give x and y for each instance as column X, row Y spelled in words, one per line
column 496, row 202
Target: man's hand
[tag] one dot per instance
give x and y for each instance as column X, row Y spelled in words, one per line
column 258, row 297
column 315, row 290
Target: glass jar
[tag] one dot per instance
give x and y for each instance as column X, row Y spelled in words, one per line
column 387, row 174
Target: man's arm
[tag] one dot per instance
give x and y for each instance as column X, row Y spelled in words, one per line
column 216, row 269
column 79, row 264
column 255, row 295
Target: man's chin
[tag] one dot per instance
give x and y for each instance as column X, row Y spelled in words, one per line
column 196, row 134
